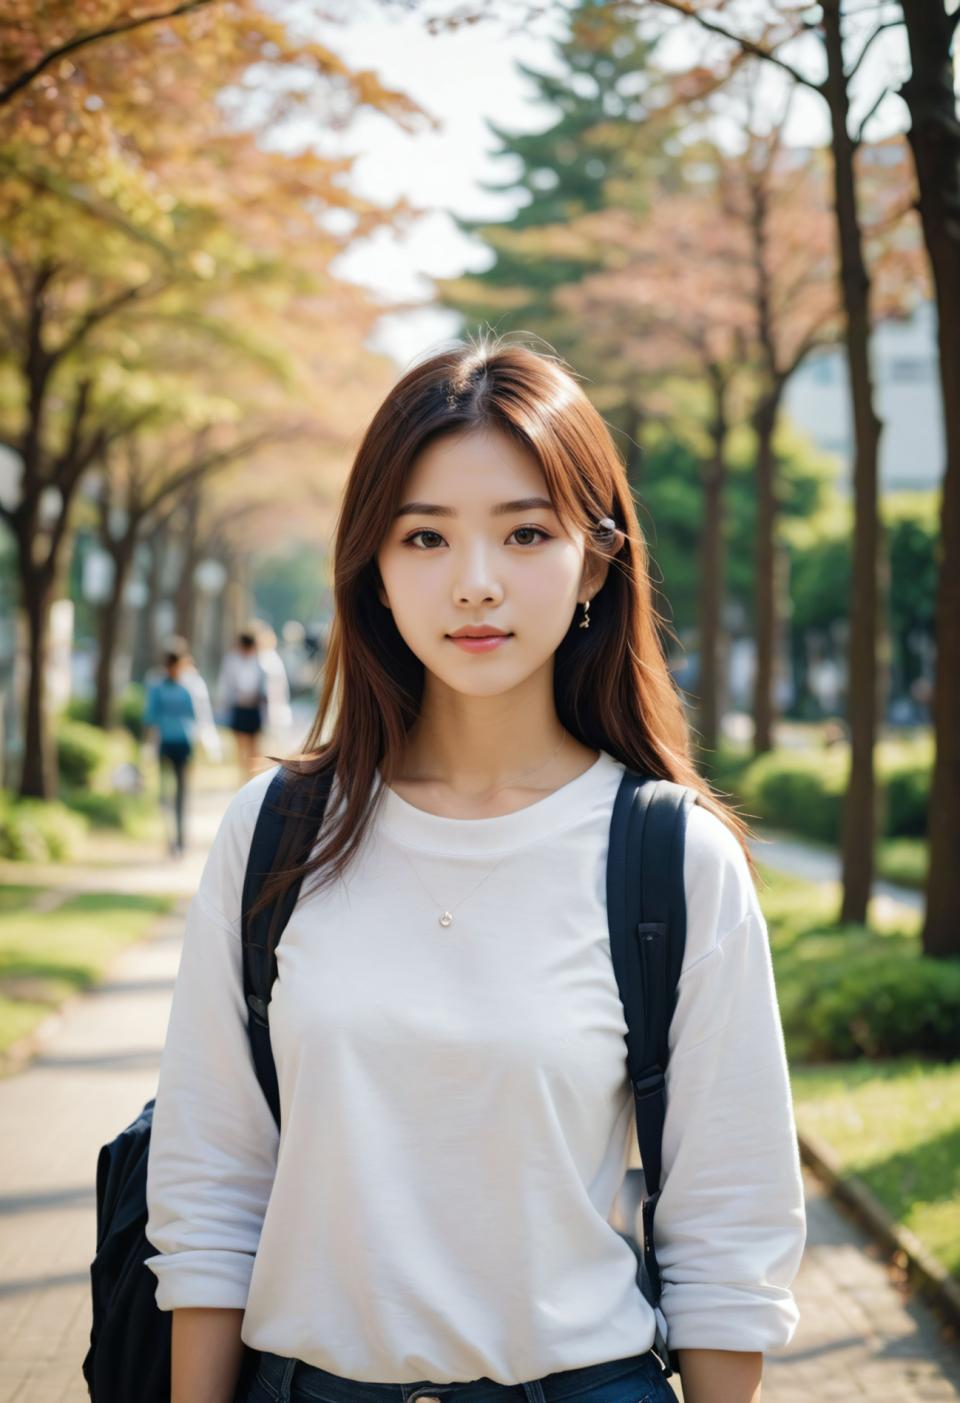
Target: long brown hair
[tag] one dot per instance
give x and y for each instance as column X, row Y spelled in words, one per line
column 613, row 689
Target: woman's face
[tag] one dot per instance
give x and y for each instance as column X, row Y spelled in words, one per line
column 516, row 570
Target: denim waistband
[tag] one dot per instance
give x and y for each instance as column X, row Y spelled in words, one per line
column 279, row 1374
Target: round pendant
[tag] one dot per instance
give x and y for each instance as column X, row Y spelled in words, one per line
column 446, row 919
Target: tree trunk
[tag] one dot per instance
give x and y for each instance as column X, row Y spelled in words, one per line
column 109, row 618
column 145, row 648
column 38, row 772
column 712, row 575
column 766, row 596
column 185, row 597
column 237, row 602
column 935, row 139
column 859, row 810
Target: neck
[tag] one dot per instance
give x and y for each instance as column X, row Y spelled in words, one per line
column 472, row 747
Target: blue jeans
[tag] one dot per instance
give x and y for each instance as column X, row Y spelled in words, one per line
column 636, row 1379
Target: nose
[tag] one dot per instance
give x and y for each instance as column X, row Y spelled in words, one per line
column 476, row 583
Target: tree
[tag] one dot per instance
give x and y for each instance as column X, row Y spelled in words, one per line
column 934, row 137
column 27, row 54
column 675, row 300
column 778, row 197
column 116, row 219
column 137, row 481
column 603, row 148
column 766, row 42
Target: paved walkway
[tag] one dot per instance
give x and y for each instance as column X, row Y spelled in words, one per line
column 859, row 1337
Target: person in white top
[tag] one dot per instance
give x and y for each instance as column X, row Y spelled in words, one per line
column 434, row 1219
column 278, row 718
column 242, row 698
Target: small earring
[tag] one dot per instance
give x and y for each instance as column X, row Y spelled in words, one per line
column 585, row 621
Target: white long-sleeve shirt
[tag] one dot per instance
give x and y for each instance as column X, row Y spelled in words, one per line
column 456, row 1115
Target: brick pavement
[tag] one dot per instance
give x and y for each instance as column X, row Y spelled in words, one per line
column 859, row 1338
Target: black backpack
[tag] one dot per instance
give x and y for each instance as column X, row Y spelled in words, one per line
column 129, row 1354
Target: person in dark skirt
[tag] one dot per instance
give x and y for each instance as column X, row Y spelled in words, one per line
column 241, row 698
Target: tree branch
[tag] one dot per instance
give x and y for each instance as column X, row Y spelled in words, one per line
column 750, row 46
column 68, row 459
column 96, row 315
column 813, row 341
column 887, row 24
column 92, row 36
column 881, row 95
column 198, row 468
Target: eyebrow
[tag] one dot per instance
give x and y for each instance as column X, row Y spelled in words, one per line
column 523, row 504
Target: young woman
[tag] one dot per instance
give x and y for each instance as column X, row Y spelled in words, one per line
column 433, row 1220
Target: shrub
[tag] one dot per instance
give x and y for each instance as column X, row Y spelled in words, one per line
column 130, row 709
column 798, row 789
column 889, row 1008
column 905, row 774
column 803, row 790
column 79, row 709
column 20, row 839
column 103, row 810
column 904, row 861
column 81, row 750
column 33, row 830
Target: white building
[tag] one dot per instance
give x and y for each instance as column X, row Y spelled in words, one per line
column 907, row 391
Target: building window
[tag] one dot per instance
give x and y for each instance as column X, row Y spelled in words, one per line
column 909, row 370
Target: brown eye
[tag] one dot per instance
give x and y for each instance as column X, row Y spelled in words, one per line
column 409, row 540
column 535, row 529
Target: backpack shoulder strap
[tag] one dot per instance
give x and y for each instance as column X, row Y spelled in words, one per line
column 646, row 906
column 282, row 835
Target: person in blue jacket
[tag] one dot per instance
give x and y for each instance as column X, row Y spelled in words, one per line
column 170, row 718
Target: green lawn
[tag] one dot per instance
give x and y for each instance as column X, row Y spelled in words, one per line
column 46, row 957
column 894, row 1123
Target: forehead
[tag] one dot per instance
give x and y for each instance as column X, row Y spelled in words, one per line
column 473, row 466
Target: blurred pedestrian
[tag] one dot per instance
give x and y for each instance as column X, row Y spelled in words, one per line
column 206, row 732
column 170, row 719
column 242, row 698
column 278, row 716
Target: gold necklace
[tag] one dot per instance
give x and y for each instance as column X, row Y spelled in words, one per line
column 446, row 915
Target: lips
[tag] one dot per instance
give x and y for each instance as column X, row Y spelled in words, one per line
column 484, row 643
column 478, row 633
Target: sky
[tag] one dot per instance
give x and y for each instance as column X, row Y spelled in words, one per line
column 464, row 78
column 460, row 79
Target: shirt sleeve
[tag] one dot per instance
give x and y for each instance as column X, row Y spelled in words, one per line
column 730, row 1225
column 213, row 1144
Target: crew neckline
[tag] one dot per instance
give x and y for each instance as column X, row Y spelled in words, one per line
column 414, row 827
